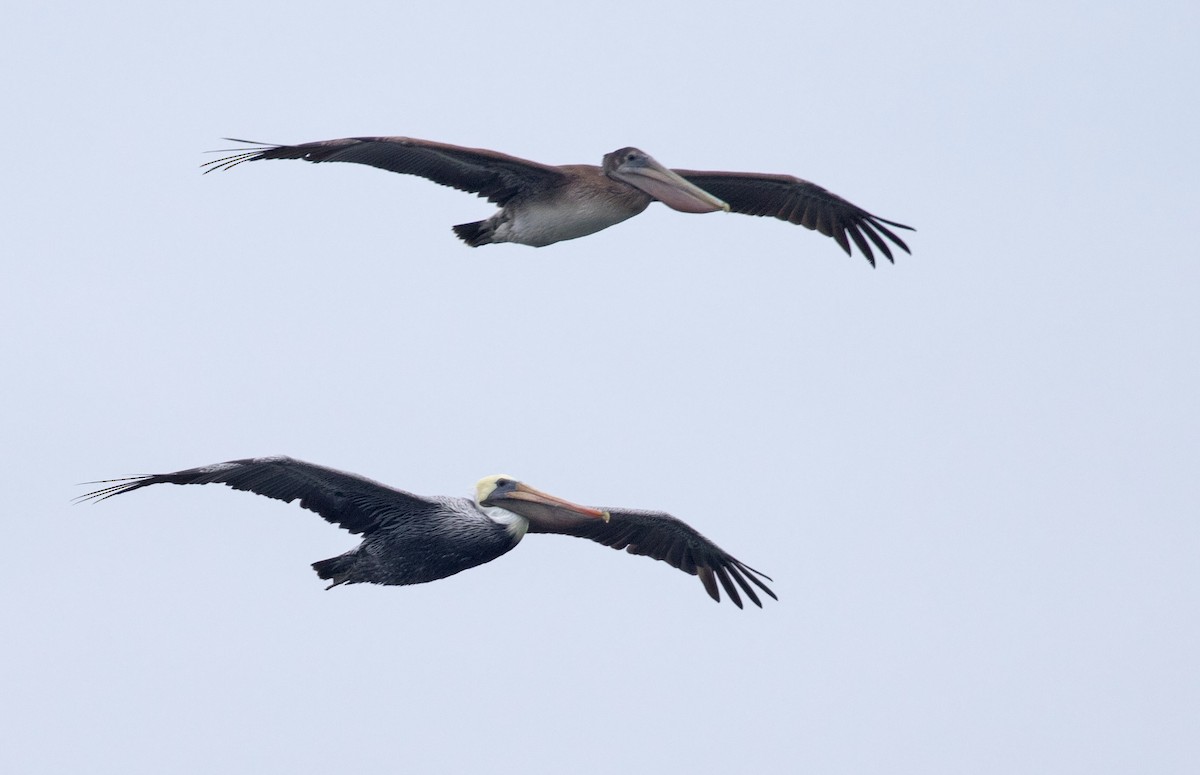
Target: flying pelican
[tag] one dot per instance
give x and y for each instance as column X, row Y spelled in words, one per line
column 542, row 204
column 412, row 539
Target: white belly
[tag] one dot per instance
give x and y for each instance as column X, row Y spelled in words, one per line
column 544, row 223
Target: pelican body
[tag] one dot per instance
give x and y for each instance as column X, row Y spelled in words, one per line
column 413, row 539
column 542, row 204
column 588, row 199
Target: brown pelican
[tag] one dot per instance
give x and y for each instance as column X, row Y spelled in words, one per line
column 542, row 204
column 412, row 539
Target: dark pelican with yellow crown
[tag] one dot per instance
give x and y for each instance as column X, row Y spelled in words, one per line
column 412, row 539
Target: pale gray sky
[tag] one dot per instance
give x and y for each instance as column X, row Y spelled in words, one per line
column 972, row 474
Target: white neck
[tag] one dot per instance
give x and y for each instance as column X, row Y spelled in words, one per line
column 515, row 524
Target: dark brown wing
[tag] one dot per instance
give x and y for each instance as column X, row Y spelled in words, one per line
column 801, row 202
column 663, row 537
column 493, row 175
column 348, row 500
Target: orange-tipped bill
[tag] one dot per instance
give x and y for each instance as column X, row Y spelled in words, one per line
column 544, row 510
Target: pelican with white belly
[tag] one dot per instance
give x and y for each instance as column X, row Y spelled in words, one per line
column 541, row 204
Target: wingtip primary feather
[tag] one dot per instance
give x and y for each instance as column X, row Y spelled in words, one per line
column 240, row 155
column 710, row 583
column 115, row 487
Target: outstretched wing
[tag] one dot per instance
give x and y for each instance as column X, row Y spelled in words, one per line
column 353, row 502
column 490, row 174
column 664, row 537
column 801, row 202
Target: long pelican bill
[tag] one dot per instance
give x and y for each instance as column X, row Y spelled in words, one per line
column 524, row 492
column 644, row 172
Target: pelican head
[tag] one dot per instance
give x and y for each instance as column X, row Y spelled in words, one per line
column 505, row 492
column 639, row 169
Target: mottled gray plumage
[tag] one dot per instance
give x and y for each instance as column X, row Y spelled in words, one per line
column 407, row 538
column 412, row 539
column 579, row 199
